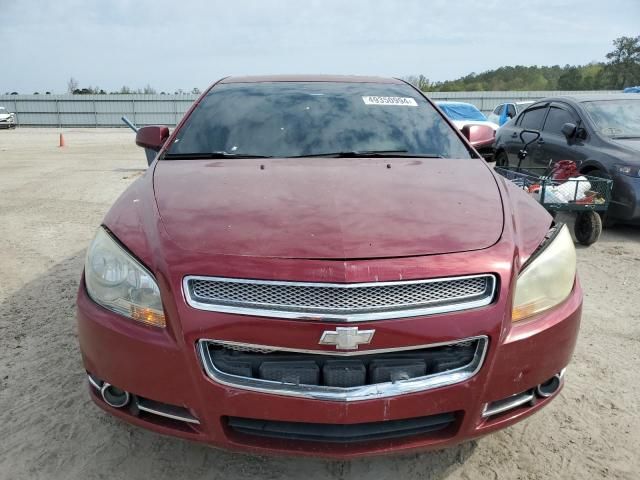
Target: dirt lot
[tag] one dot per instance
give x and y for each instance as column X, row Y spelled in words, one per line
column 52, row 199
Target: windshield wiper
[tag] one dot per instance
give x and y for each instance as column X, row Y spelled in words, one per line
column 209, row 155
column 625, row 137
column 345, row 154
column 370, row 153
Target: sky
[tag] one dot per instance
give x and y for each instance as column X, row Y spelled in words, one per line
column 191, row 43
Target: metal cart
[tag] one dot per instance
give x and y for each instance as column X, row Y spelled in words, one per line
column 588, row 197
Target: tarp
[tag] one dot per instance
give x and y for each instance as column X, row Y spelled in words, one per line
column 462, row 111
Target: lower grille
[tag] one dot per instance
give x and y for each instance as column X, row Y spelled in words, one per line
column 342, row 433
column 342, row 376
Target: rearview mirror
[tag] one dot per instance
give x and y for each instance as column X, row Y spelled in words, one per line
column 479, row 135
column 152, row 137
column 569, row 130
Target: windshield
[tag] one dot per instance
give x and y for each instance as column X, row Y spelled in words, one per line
column 291, row 119
column 462, row 111
column 615, row 118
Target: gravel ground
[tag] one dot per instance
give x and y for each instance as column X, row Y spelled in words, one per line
column 51, row 201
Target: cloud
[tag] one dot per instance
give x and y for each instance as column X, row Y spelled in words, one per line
column 182, row 44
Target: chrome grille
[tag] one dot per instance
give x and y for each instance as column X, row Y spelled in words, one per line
column 339, row 302
column 295, row 372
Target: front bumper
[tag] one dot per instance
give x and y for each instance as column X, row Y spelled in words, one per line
column 164, row 366
column 625, row 205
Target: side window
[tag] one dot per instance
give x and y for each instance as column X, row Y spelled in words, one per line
column 498, row 109
column 511, row 110
column 532, row 119
column 556, row 119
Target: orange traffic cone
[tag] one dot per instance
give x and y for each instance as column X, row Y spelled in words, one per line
column 61, row 140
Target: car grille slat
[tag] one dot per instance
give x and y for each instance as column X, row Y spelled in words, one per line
column 342, row 433
column 348, row 302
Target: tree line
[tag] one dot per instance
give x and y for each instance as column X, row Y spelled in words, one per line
column 73, row 87
column 620, row 70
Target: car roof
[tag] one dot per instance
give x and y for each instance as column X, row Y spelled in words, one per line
column 311, row 78
column 521, row 102
column 591, row 97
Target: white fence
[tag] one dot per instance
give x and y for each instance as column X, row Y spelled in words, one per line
column 106, row 110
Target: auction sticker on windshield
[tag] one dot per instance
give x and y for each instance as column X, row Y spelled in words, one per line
column 401, row 101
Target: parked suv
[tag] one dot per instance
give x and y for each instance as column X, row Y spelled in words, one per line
column 324, row 266
column 599, row 132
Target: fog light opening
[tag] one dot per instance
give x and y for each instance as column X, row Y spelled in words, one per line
column 551, row 386
column 114, row 396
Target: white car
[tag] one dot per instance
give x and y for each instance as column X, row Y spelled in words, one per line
column 462, row 114
column 7, row 119
column 506, row 111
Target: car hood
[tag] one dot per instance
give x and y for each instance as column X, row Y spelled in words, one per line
column 631, row 143
column 328, row 208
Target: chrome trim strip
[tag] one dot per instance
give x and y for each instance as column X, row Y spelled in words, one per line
column 341, row 353
column 355, row 317
column 93, row 383
column 167, row 415
column 147, row 409
column 366, row 392
column 513, row 402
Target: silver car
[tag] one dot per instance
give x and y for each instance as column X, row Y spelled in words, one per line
column 7, row 119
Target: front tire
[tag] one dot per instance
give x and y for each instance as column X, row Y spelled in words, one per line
column 588, row 227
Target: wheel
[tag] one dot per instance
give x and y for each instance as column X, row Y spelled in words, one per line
column 588, row 227
column 502, row 159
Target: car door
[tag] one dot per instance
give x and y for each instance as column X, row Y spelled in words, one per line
column 531, row 119
column 553, row 145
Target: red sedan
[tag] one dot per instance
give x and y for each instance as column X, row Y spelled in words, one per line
column 324, row 266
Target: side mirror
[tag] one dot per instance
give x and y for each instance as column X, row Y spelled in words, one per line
column 479, row 135
column 152, row 137
column 569, row 130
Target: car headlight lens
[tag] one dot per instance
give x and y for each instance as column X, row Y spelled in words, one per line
column 117, row 281
column 628, row 170
column 548, row 279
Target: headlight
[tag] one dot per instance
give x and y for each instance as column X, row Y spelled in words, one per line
column 628, row 170
column 547, row 279
column 117, row 281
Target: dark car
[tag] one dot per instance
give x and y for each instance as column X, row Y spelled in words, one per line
column 601, row 133
column 324, row 266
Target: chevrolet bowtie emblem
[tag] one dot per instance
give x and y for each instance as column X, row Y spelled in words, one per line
column 346, row 338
